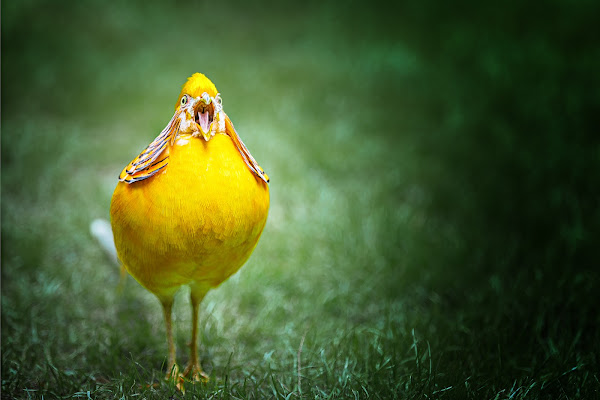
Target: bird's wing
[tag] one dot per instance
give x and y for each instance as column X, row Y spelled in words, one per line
column 154, row 157
column 248, row 159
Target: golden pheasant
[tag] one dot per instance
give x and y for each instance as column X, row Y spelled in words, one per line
column 190, row 208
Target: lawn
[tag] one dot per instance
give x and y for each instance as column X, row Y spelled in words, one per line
column 434, row 210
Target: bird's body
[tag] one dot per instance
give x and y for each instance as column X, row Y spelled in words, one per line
column 190, row 209
column 196, row 223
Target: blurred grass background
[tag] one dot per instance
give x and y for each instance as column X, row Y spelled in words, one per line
column 435, row 188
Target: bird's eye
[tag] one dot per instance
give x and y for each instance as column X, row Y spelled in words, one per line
column 184, row 100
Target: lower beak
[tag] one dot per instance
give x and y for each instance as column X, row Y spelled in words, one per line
column 206, row 135
column 204, row 124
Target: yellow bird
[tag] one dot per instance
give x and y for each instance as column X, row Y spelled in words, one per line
column 189, row 210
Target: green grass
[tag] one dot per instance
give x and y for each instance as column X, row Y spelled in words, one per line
column 433, row 221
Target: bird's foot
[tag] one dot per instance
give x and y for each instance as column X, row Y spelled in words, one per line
column 193, row 372
column 173, row 373
column 176, row 377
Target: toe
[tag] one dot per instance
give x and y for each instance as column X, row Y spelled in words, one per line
column 173, row 373
column 194, row 373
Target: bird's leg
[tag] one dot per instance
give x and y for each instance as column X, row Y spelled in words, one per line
column 172, row 368
column 193, row 370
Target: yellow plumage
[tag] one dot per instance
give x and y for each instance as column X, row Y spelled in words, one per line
column 190, row 209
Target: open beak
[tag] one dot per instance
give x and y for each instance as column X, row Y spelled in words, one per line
column 204, row 115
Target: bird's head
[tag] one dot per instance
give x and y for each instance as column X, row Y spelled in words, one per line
column 199, row 108
column 198, row 112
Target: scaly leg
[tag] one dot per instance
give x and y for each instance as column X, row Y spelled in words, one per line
column 193, row 370
column 172, row 368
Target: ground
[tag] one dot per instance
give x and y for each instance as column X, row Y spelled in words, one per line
column 433, row 214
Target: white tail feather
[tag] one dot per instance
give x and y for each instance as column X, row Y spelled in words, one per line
column 102, row 231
